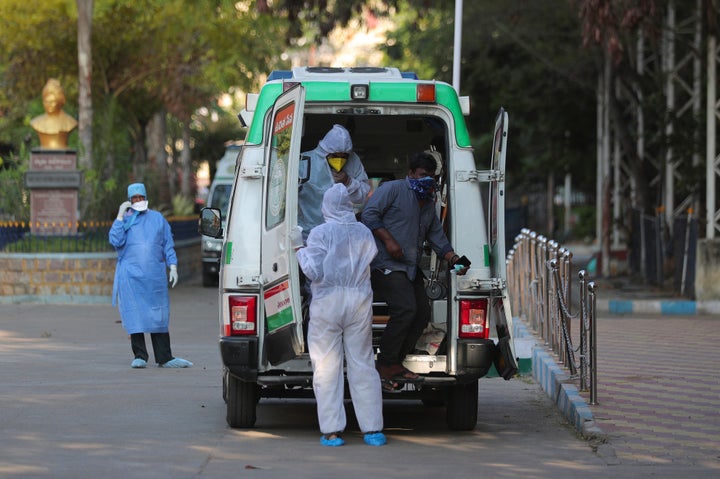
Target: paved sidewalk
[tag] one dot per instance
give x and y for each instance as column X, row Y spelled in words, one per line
column 658, row 386
column 630, row 294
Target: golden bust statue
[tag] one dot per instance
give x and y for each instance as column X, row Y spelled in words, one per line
column 55, row 125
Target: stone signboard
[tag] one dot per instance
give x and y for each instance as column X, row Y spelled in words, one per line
column 53, row 160
column 53, row 181
column 53, row 211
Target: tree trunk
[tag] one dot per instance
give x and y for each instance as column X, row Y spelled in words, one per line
column 85, row 110
column 550, row 205
column 139, row 158
column 185, row 161
column 157, row 156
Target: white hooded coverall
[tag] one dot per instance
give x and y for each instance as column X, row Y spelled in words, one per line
column 337, row 261
column 337, row 140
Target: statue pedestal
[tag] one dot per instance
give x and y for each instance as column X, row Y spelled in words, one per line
column 53, row 180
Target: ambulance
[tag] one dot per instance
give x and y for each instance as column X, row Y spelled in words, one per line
column 390, row 115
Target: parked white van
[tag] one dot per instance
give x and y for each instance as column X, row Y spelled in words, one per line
column 218, row 197
column 390, row 115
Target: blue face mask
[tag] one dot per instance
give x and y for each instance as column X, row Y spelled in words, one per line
column 424, row 188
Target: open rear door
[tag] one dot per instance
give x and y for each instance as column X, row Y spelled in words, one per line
column 283, row 332
column 496, row 203
column 506, row 364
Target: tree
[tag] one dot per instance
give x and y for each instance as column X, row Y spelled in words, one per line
column 147, row 56
column 85, row 110
column 524, row 56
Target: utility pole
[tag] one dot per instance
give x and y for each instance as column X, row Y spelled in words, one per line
column 457, row 45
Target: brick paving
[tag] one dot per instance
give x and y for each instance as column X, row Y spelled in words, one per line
column 659, row 389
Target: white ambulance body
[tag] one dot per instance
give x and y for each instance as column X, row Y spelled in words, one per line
column 390, row 115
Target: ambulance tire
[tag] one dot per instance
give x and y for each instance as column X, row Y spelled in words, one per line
column 462, row 406
column 242, row 399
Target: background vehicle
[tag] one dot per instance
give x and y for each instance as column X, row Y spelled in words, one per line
column 390, row 115
column 218, row 197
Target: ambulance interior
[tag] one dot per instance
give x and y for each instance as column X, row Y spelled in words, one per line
column 384, row 144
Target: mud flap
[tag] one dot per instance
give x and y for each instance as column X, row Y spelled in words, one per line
column 504, row 360
column 276, row 345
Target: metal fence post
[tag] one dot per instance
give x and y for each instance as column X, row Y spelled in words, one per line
column 583, row 332
column 593, row 344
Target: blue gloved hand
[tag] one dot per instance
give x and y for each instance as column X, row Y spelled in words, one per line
column 173, row 275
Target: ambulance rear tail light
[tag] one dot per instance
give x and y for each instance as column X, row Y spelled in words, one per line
column 473, row 319
column 426, row 93
column 243, row 316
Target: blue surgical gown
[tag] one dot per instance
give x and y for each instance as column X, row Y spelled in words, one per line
column 145, row 250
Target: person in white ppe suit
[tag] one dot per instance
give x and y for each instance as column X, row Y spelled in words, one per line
column 145, row 248
column 332, row 161
column 337, row 262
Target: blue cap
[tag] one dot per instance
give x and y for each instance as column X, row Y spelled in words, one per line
column 136, row 189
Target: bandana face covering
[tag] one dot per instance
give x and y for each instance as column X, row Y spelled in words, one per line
column 140, row 205
column 337, row 162
column 424, row 188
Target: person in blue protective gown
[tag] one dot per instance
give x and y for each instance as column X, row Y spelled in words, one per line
column 145, row 248
column 332, row 161
column 337, row 261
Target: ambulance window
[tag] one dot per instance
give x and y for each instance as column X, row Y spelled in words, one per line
column 278, row 166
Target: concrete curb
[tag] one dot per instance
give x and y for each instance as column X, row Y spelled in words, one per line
column 657, row 307
column 558, row 386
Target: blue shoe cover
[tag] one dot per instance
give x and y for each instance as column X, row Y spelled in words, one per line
column 337, row 441
column 138, row 363
column 375, row 439
column 177, row 363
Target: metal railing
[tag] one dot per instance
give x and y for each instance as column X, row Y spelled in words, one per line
column 61, row 237
column 539, row 272
column 74, row 237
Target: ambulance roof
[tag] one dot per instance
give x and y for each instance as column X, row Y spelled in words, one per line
column 330, row 84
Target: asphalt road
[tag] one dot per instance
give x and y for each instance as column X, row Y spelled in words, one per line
column 71, row 407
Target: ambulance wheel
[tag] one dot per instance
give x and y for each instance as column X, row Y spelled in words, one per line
column 462, row 406
column 242, row 399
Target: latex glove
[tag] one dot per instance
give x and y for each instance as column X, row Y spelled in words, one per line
column 173, row 275
column 459, row 268
column 123, row 208
column 296, row 238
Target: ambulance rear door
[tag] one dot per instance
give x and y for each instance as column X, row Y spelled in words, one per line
column 283, row 339
column 506, row 363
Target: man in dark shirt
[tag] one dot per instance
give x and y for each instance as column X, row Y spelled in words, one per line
column 401, row 214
